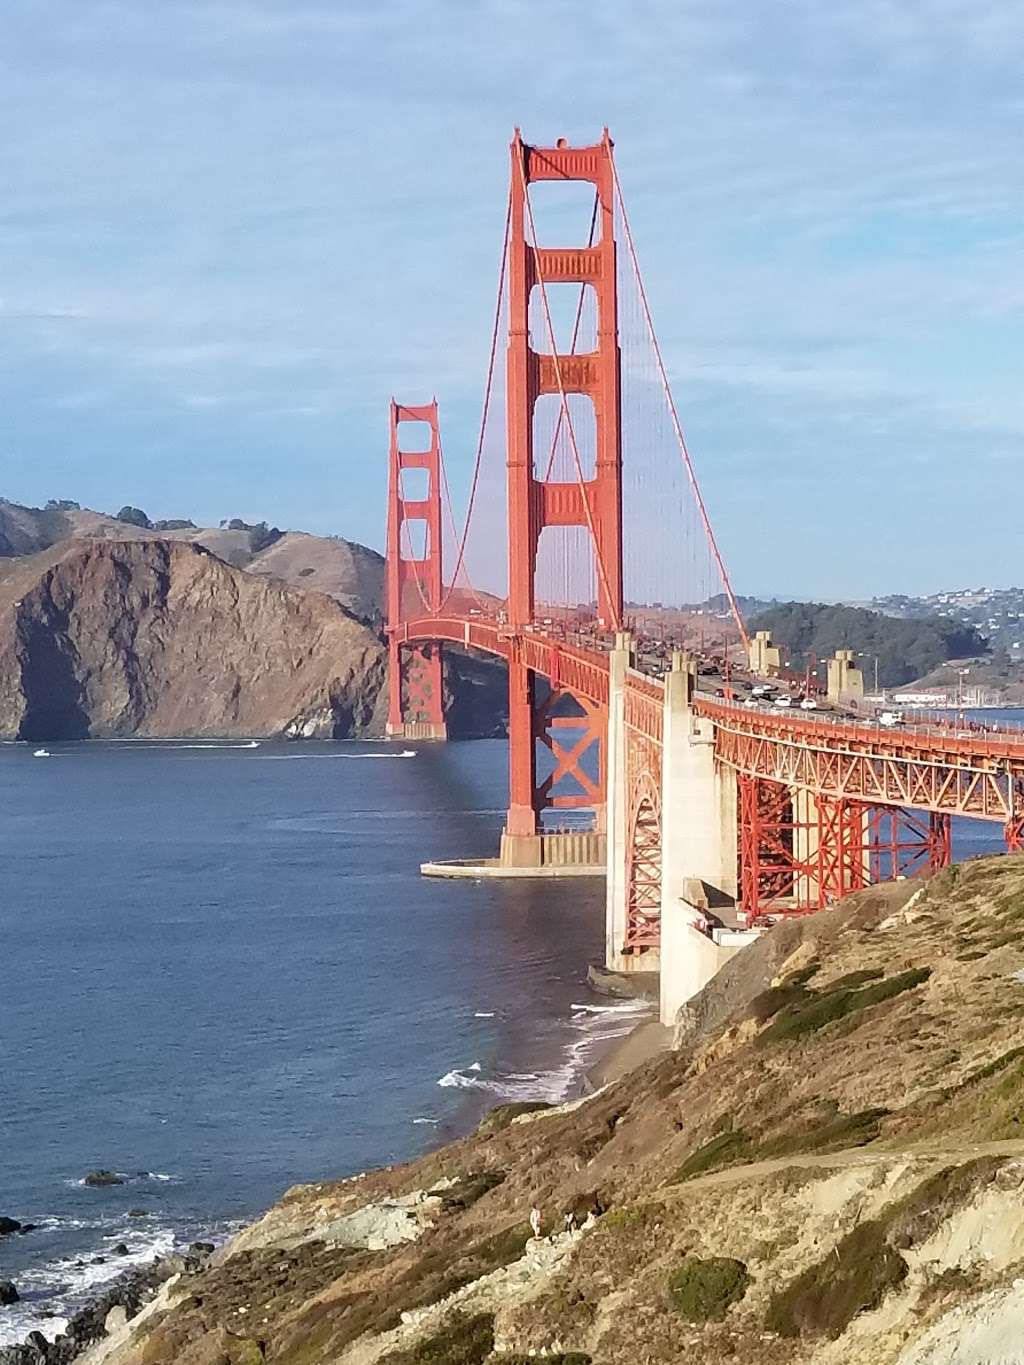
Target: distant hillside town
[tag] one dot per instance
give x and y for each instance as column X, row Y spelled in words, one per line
column 996, row 613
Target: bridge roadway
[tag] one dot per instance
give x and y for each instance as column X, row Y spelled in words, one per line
column 932, row 768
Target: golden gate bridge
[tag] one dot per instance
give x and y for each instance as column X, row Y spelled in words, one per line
column 584, row 525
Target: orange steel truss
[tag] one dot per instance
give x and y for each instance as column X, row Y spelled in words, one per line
column 583, row 721
column 976, row 776
column 643, row 714
column 415, row 680
column 794, row 860
column 643, row 845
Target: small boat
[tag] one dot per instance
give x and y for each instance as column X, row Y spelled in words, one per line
column 407, row 753
column 41, row 753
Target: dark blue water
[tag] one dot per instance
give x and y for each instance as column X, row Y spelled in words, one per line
column 221, row 973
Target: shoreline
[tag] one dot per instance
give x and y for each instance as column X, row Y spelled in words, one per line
column 601, row 1038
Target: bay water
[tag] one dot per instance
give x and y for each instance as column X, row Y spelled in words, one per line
column 221, row 973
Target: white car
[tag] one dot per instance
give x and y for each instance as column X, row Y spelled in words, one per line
column 890, row 718
column 808, row 704
column 783, row 701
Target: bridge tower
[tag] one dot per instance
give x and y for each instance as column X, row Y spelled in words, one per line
column 535, row 501
column 415, row 584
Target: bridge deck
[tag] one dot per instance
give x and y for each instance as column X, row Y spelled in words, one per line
column 926, row 767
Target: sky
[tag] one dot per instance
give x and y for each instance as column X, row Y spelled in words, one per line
column 230, row 230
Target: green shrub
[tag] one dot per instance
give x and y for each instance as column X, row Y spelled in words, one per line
column 832, row 1135
column 469, row 1188
column 826, row 1007
column 721, row 1150
column 459, row 1341
column 562, row 1358
column 858, row 978
column 703, row 1290
column 854, row 1277
column 496, row 1120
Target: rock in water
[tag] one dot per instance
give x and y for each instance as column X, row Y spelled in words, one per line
column 8, row 1293
column 97, row 1179
column 9, row 1225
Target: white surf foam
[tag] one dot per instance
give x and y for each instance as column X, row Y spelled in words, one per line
column 62, row 1287
column 595, row 1026
column 185, row 744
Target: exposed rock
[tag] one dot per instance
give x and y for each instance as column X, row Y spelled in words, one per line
column 100, row 1178
column 119, row 1249
column 9, row 1225
column 8, row 1293
column 115, row 1319
column 158, row 638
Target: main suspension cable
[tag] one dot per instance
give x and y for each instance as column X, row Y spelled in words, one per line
column 705, row 520
column 483, row 418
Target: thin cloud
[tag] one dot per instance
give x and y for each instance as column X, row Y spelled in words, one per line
column 262, row 208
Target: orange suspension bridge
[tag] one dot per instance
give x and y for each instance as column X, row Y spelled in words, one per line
column 585, row 545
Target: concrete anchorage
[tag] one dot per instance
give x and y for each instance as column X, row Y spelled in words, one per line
column 699, row 836
column 699, row 847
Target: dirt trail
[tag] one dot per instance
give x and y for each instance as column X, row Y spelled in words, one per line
column 835, row 1161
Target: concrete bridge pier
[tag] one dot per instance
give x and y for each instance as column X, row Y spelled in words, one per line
column 699, row 846
column 617, row 815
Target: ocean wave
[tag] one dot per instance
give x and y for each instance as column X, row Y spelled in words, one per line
column 595, row 1027
column 626, row 1007
column 64, row 1285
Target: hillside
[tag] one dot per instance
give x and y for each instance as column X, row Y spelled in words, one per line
column 905, row 649
column 156, row 638
column 350, row 573
column 828, row 1168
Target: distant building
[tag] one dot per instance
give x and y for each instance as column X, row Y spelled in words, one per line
column 925, row 696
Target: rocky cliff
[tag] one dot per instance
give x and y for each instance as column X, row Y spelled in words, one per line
column 156, row 637
column 349, row 572
column 828, row 1168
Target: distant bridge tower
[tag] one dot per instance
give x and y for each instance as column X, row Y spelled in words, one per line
column 593, row 500
column 415, row 585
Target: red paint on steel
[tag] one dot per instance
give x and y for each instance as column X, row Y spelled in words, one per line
column 799, row 852
column 533, row 502
column 415, row 680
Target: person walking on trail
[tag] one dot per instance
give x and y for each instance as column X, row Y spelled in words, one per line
column 536, row 1221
